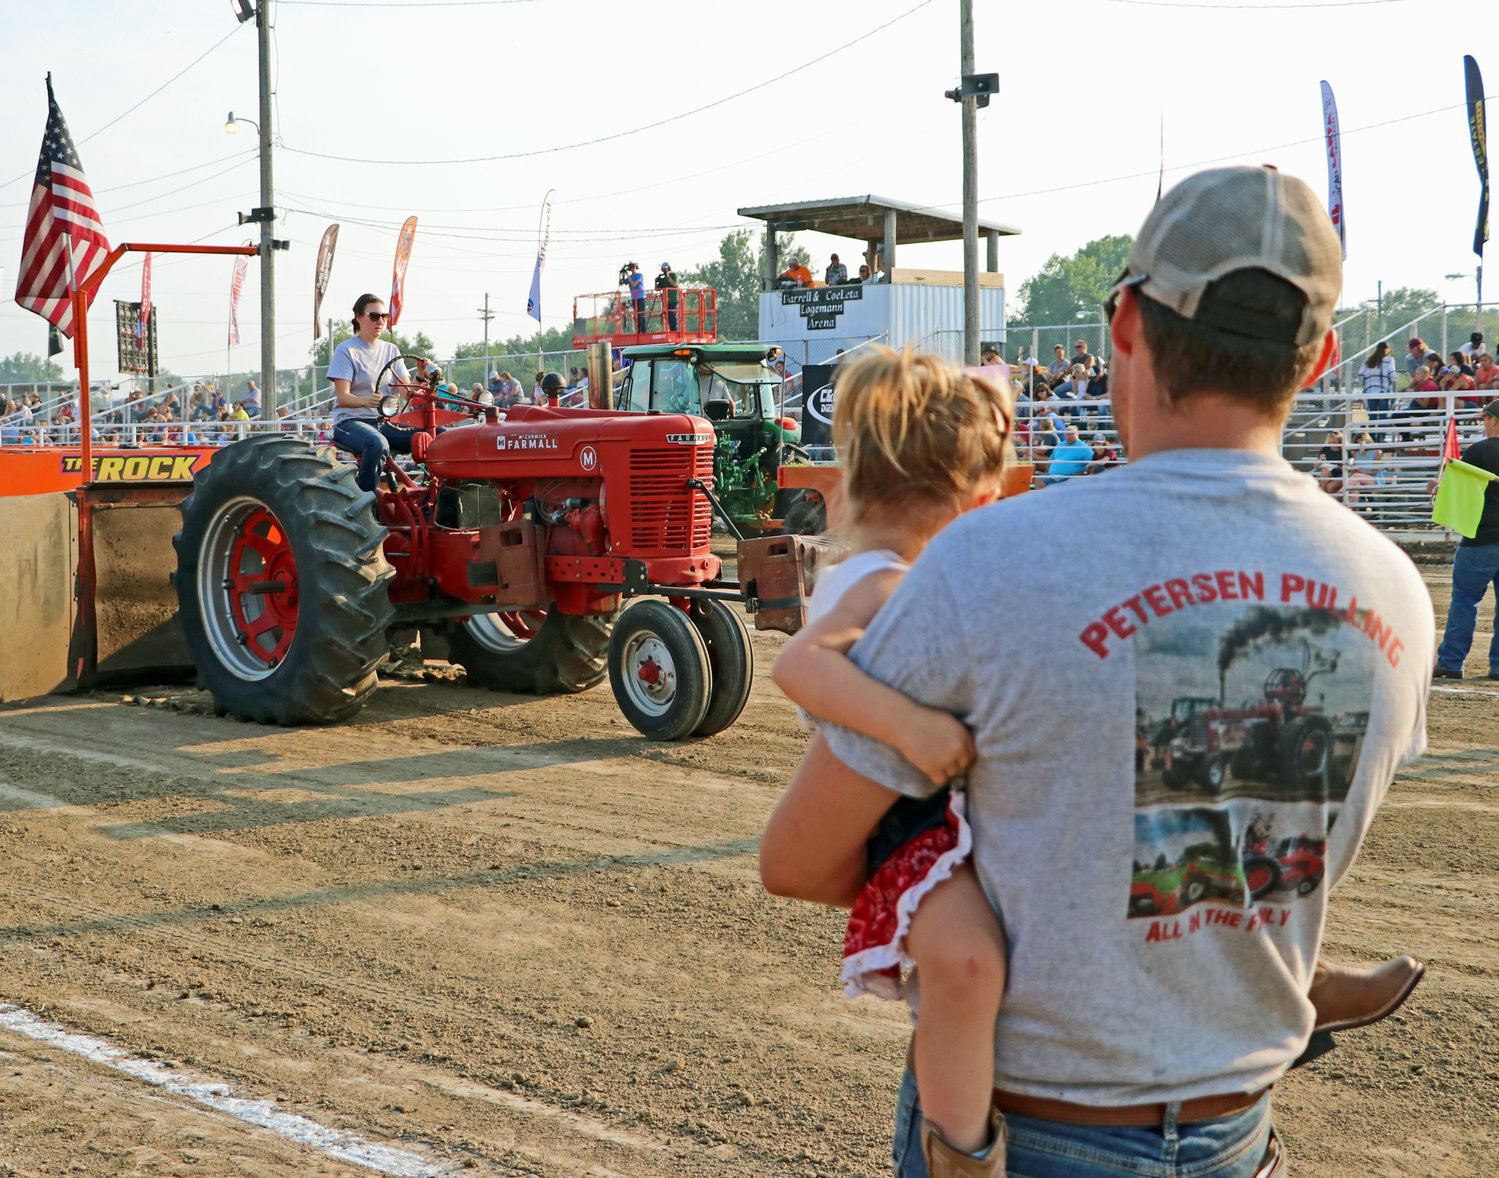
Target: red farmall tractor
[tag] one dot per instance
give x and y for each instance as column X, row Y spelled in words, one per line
column 517, row 534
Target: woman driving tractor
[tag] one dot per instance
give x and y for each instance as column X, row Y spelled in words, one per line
column 354, row 368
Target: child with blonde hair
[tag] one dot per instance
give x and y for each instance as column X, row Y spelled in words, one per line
column 921, row 442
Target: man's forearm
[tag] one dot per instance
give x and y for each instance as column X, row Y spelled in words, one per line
column 814, row 844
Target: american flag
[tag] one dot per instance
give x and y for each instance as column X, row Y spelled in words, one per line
column 62, row 219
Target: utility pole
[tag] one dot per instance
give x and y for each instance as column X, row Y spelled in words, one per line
column 486, row 315
column 970, row 191
column 267, row 225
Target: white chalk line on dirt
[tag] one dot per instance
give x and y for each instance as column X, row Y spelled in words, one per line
column 201, row 1089
column 1463, row 691
column 26, row 799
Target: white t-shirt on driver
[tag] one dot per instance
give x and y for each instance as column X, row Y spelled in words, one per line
column 359, row 363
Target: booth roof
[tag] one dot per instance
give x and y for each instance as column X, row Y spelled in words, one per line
column 863, row 219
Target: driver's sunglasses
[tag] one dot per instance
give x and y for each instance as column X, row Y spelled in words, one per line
column 377, row 315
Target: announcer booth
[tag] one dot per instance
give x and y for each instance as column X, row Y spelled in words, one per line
column 923, row 308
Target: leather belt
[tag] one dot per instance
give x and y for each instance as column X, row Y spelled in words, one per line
column 1201, row 1108
column 1064, row 1112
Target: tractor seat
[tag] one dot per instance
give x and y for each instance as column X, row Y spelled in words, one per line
column 718, row 410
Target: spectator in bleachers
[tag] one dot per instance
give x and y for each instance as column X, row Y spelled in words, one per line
column 1457, row 363
column 1046, row 424
column 1377, row 377
column 1329, row 471
column 1081, row 355
column 510, row 393
column 1422, row 383
column 1415, row 355
column 1068, row 460
column 1486, row 373
column 1457, row 378
column 1473, row 348
column 1105, row 454
column 1364, row 467
column 1059, row 365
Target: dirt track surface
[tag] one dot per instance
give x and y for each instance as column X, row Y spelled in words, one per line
column 511, row 936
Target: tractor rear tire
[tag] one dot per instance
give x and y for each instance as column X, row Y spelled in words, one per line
column 563, row 655
column 658, row 668
column 731, row 663
column 1306, row 756
column 281, row 584
column 806, row 517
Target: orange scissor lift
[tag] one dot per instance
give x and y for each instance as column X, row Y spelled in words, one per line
column 85, row 570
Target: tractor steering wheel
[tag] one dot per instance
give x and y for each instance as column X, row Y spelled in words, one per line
column 405, row 389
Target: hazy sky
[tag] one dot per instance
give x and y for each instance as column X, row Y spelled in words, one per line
column 1067, row 152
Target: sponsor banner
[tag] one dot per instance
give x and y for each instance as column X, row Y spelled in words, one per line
column 398, row 278
column 817, row 405
column 533, row 300
column 320, row 277
column 39, row 470
column 236, row 288
column 1334, row 147
column 145, row 316
column 1478, row 133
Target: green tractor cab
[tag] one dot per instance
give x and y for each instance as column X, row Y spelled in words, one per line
column 734, row 387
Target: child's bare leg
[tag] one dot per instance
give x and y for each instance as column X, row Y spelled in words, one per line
column 959, row 950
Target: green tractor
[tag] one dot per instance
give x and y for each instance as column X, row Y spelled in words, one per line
column 734, row 387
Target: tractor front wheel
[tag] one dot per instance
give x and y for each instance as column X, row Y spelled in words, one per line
column 281, row 584
column 539, row 652
column 658, row 668
column 731, row 664
column 806, row 517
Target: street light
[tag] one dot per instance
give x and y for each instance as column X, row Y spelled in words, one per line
column 231, row 124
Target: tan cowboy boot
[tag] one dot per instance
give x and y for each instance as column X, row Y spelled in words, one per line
column 1347, row 997
column 943, row 1161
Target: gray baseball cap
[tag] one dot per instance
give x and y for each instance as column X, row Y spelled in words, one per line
column 1227, row 219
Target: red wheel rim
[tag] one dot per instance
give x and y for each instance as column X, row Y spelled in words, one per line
column 262, row 587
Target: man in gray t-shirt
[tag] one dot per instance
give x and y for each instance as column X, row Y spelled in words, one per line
column 1184, row 727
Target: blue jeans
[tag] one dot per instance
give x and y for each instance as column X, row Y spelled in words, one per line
column 1474, row 569
column 371, row 445
column 1229, row 1148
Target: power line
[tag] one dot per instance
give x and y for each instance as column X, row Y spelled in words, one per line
column 401, row 3
column 1216, row 160
column 143, row 101
column 1257, row 7
column 518, row 155
column 779, row 149
column 20, row 204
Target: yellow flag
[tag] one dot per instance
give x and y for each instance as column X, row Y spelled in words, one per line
column 1459, row 502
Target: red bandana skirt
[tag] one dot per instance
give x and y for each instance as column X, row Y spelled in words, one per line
column 874, row 946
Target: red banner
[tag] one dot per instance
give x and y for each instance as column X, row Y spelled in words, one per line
column 145, row 318
column 398, row 281
column 320, row 277
column 241, row 263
